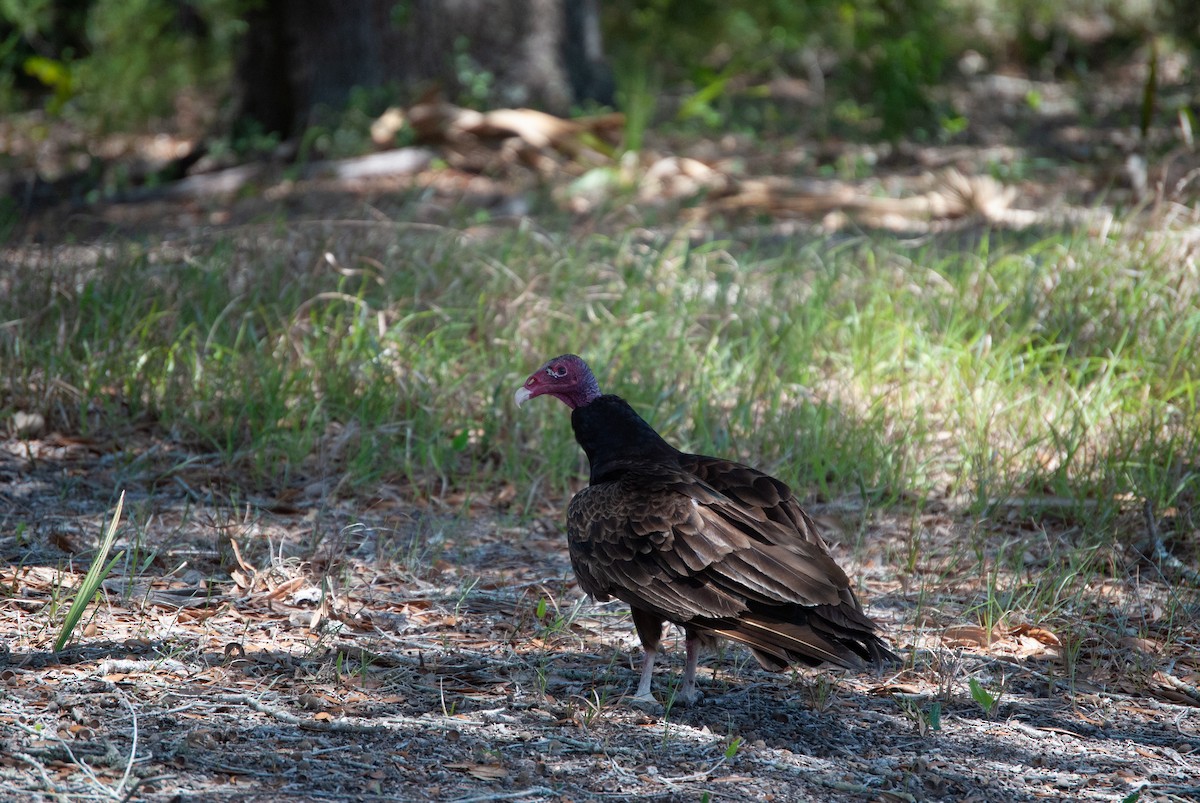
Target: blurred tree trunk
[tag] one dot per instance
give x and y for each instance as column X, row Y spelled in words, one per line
column 300, row 55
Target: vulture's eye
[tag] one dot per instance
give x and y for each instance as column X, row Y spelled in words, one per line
column 557, row 371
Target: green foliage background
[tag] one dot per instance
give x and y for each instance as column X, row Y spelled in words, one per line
column 118, row 64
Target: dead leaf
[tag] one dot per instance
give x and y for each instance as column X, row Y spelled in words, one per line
column 1145, row 645
column 63, row 542
column 283, row 588
column 894, row 688
column 387, row 126
column 1036, row 633
column 968, row 636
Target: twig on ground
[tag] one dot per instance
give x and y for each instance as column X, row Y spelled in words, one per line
column 149, row 666
column 133, row 743
column 858, row 789
column 37, row 765
column 84, row 767
column 583, row 746
column 695, row 776
column 533, row 790
column 1171, row 567
column 1186, row 689
column 291, row 719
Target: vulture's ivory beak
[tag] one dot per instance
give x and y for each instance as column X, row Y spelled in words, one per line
column 522, row 395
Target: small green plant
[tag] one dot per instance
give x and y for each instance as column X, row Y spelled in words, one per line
column 822, row 691
column 987, row 701
column 914, row 546
column 364, row 668
column 949, row 667
column 638, row 92
column 933, row 715
column 927, row 720
column 732, row 748
column 593, row 707
column 557, row 623
column 700, row 103
column 551, row 622
column 447, row 710
column 1072, row 650
column 475, row 84
column 464, row 595
column 98, row 570
column 54, row 74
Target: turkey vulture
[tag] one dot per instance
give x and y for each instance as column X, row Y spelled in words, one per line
column 716, row 547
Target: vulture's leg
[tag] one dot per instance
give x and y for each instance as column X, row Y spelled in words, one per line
column 643, row 689
column 649, row 630
column 688, row 693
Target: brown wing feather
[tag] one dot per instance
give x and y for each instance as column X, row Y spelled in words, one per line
column 719, row 547
column 622, row 544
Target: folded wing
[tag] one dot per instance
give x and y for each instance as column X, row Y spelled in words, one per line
column 721, row 548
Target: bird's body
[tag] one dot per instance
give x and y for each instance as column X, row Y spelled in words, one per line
column 716, row 547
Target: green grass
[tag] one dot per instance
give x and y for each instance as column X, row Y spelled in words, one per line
column 977, row 372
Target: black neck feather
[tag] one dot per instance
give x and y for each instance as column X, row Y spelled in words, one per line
column 614, row 437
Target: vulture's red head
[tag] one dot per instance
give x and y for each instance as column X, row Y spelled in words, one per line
column 566, row 378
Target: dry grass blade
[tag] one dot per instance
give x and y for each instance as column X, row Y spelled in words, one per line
column 92, row 580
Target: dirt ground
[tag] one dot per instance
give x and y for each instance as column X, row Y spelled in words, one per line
column 371, row 650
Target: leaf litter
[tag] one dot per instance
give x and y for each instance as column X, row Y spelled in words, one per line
column 420, row 654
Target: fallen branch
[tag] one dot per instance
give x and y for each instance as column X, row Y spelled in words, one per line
column 1171, row 567
column 289, row 718
column 532, row 791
